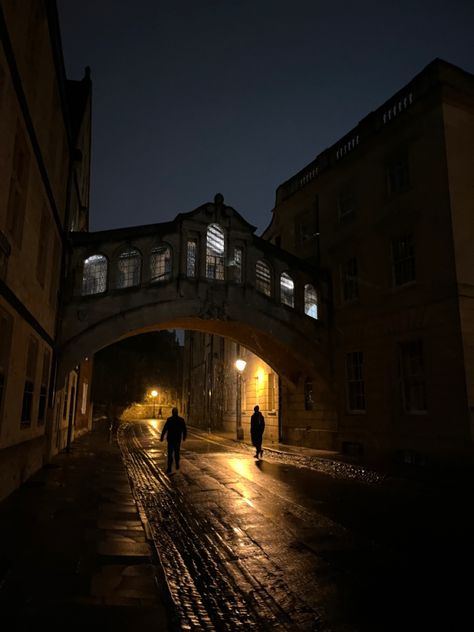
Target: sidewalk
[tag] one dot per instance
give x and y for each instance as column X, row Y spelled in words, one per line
column 74, row 549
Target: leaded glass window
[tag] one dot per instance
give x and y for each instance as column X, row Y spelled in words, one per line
column 263, row 278
column 287, row 290
column 94, row 277
column 160, row 264
column 215, row 252
column 310, row 301
column 128, row 269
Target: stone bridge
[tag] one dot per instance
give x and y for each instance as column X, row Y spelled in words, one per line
column 207, row 271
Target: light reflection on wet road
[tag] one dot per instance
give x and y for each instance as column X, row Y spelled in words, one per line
column 269, row 545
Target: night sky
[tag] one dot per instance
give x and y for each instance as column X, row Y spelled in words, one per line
column 195, row 97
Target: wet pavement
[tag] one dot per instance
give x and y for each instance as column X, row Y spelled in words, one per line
column 74, row 549
column 299, row 541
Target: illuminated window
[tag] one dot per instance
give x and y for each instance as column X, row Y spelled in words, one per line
column 263, row 278
column 215, row 252
column 94, row 277
column 355, row 382
column 29, row 388
column 271, row 391
column 287, row 290
column 160, row 263
column 191, row 258
column 310, row 301
column 350, row 280
column 403, row 258
column 128, row 269
column 412, row 376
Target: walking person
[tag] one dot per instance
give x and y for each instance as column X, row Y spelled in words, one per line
column 257, row 426
column 175, row 429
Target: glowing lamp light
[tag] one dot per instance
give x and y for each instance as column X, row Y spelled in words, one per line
column 240, row 365
column 154, row 393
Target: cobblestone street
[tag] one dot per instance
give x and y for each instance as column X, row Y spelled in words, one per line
column 275, row 545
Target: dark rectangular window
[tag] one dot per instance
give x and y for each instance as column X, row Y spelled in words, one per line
column 18, row 187
column 308, row 395
column 403, row 257
column 398, row 176
column 55, row 268
column 43, row 247
column 355, row 382
column 346, row 206
column 412, row 376
column 5, row 342
column 305, row 229
column 43, row 388
column 29, row 388
column 350, row 280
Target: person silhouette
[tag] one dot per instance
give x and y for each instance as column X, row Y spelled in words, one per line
column 175, row 430
column 257, row 426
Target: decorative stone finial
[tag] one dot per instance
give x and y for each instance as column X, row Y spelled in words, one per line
column 218, row 199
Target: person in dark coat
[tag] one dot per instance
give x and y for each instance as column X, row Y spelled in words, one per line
column 175, row 428
column 257, row 426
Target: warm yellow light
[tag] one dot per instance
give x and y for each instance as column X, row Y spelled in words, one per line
column 240, row 365
column 154, row 393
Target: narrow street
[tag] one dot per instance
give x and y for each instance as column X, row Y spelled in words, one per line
column 274, row 545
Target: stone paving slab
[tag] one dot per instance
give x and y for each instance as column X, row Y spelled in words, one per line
column 74, row 553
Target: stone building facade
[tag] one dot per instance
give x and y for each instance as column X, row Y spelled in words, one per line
column 211, row 386
column 44, row 193
column 388, row 213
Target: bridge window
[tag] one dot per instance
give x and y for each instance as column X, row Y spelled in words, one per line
column 128, row 268
column 310, row 301
column 94, row 276
column 287, row 290
column 191, row 258
column 160, row 264
column 215, row 251
column 263, row 278
column 237, row 264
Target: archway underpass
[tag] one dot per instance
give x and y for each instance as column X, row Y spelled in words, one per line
column 207, row 272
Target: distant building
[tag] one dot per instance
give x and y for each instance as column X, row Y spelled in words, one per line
column 44, row 193
column 388, row 213
column 210, row 386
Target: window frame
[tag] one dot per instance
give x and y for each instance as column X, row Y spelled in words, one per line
column 355, row 380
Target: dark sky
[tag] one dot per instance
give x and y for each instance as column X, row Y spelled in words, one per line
column 195, row 97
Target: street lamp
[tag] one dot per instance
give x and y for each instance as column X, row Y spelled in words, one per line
column 240, row 366
column 154, row 393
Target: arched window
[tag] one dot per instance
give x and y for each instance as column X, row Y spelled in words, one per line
column 128, row 268
column 287, row 290
column 215, row 252
column 94, row 275
column 310, row 301
column 263, row 278
column 160, row 264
